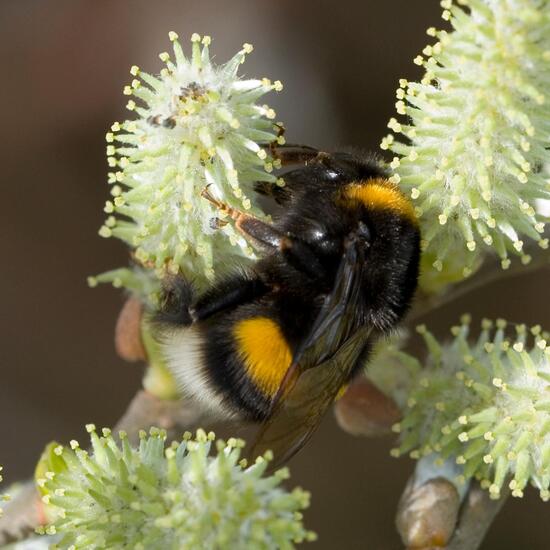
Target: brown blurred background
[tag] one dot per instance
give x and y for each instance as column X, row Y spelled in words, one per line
column 64, row 64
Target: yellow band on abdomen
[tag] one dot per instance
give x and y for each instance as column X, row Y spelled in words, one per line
column 264, row 351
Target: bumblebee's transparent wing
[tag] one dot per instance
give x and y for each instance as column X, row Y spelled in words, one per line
column 300, row 409
column 321, row 367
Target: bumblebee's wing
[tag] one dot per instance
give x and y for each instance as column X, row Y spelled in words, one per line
column 321, row 367
column 300, row 409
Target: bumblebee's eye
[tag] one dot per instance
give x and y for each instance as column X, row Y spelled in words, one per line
column 363, row 232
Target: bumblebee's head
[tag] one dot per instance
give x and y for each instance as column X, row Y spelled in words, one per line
column 384, row 221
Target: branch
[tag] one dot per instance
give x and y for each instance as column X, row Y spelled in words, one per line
column 21, row 516
column 146, row 410
column 477, row 514
column 427, row 303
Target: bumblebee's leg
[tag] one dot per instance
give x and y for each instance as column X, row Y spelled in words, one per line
column 266, row 237
column 290, row 153
column 179, row 306
column 281, row 194
column 227, row 294
column 176, row 299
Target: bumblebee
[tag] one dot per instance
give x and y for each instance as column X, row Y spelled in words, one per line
column 276, row 343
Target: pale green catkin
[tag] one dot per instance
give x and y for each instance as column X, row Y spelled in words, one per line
column 197, row 125
column 486, row 404
column 475, row 134
column 167, row 498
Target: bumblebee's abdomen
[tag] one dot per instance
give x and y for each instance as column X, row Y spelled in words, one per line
column 245, row 358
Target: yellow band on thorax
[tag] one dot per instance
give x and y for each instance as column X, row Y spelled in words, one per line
column 380, row 194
